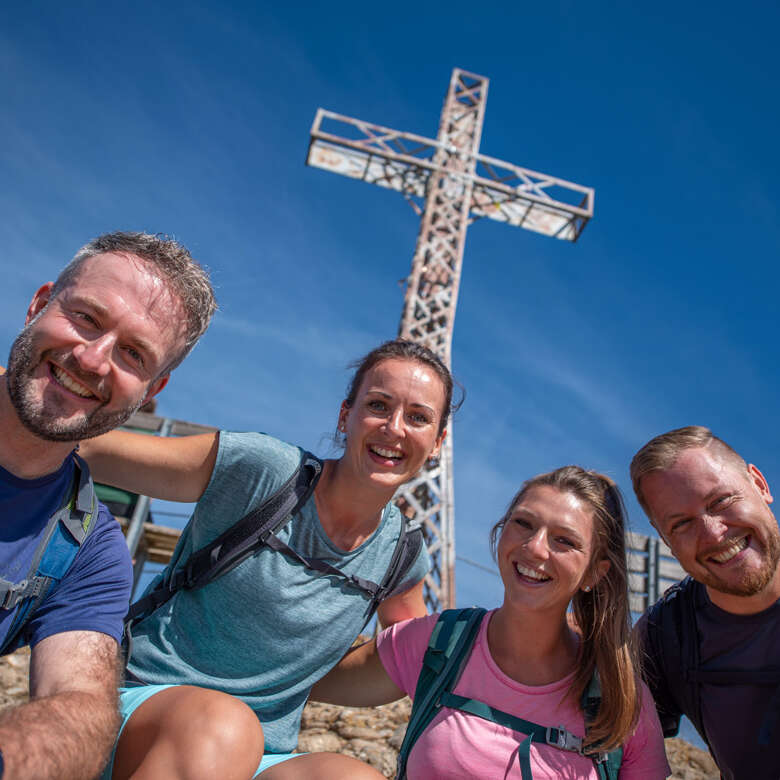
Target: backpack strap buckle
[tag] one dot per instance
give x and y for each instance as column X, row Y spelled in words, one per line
column 563, row 739
column 13, row 595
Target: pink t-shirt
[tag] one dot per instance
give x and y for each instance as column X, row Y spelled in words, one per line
column 460, row 745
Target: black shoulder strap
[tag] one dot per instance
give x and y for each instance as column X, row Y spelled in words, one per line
column 258, row 529
column 407, row 548
column 673, row 642
column 237, row 543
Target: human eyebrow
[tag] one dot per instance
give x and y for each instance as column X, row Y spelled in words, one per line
column 87, row 302
column 423, row 406
column 571, row 533
column 376, row 391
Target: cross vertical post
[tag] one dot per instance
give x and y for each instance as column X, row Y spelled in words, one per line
column 449, row 184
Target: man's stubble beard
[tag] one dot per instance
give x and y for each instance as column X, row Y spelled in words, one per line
column 32, row 412
column 754, row 581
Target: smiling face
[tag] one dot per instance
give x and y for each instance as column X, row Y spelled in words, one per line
column 715, row 516
column 546, row 548
column 392, row 427
column 89, row 357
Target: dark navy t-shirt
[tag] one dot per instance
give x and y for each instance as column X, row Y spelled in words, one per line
column 733, row 713
column 95, row 592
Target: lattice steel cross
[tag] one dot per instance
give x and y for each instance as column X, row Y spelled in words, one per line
column 450, row 185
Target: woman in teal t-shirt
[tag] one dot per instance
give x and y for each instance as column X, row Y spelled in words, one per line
column 392, row 420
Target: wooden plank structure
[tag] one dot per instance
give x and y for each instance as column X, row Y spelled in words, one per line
column 652, row 567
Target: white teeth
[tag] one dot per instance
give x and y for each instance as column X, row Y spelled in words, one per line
column 534, row 575
column 382, row 452
column 71, row 384
column 737, row 546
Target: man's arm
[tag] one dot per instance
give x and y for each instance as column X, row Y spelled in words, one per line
column 171, row 468
column 403, row 606
column 68, row 727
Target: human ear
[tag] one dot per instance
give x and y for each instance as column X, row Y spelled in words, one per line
column 757, row 478
column 39, row 302
column 343, row 414
column 155, row 387
column 437, row 446
column 600, row 570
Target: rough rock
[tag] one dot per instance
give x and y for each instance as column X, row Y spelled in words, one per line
column 372, row 735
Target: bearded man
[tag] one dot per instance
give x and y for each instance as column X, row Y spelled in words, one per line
column 712, row 643
column 98, row 343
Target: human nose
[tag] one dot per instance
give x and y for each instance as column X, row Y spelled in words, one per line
column 712, row 528
column 395, row 422
column 93, row 356
column 537, row 544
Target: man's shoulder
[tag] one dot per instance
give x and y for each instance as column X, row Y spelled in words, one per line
column 683, row 594
column 106, row 531
column 668, row 623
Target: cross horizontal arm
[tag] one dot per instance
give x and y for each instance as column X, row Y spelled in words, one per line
column 404, row 162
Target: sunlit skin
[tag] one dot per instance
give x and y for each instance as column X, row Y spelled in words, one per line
column 392, row 427
column 545, row 555
column 545, row 550
column 97, row 350
column 715, row 516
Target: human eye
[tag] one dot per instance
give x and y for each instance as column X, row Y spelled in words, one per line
column 135, row 356
column 521, row 521
column 566, row 541
column 679, row 526
column 419, row 418
column 85, row 317
column 376, row 405
column 721, row 502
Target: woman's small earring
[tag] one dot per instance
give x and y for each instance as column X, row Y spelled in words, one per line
column 587, row 589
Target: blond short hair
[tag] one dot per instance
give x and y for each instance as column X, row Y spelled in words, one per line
column 660, row 454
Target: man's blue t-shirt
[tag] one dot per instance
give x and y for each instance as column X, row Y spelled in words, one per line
column 95, row 592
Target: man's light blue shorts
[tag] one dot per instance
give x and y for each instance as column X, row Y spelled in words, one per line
column 130, row 699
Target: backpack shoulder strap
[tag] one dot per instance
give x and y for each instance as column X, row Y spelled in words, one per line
column 60, row 541
column 448, row 649
column 607, row 763
column 236, row 543
column 407, row 548
column 673, row 644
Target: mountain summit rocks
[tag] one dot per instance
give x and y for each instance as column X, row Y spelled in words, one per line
column 370, row 734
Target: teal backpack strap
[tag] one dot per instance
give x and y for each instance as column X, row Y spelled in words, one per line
column 607, row 763
column 64, row 534
column 448, row 649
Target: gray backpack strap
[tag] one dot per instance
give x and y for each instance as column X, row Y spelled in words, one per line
column 65, row 532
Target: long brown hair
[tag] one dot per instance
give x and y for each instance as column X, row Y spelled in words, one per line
column 602, row 614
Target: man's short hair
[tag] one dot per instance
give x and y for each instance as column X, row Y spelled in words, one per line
column 188, row 280
column 661, row 453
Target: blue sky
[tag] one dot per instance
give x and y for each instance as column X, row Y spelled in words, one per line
column 193, row 119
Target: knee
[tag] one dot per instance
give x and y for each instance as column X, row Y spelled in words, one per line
column 225, row 740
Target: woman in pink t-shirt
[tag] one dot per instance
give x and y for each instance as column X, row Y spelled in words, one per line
column 561, row 543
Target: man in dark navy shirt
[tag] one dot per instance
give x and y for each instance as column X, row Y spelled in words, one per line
column 712, row 645
column 98, row 343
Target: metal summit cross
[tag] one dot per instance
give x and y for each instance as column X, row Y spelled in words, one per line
column 449, row 184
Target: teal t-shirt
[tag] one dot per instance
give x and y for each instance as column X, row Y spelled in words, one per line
column 270, row 628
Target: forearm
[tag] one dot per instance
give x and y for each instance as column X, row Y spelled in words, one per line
column 67, row 735
column 359, row 680
column 174, row 469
